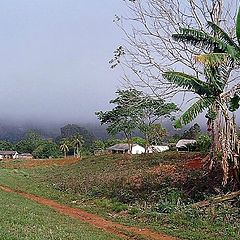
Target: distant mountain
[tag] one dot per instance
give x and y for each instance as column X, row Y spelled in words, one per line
column 14, row 133
column 11, row 133
column 70, row 130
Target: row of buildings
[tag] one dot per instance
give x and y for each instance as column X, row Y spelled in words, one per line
column 14, row 155
column 182, row 145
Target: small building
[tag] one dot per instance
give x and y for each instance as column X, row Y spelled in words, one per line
column 186, row 145
column 101, row 152
column 8, row 154
column 124, row 148
column 157, row 149
column 25, row 156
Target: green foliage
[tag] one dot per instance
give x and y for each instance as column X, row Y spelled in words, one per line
column 64, row 146
column 5, row 145
column 30, row 143
column 234, row 103
column 112, row 204
column 47, row 149
column 156, row 133
column 174, row 139
column 135, row 110
column 99, row 145
column 76, row 142
column 133, row 211
column 211, row 114
column 71, row 130
column 206, row 41
column 224, row 53
column 122, row 118
column 140, row 141
column 238, row 26
column 203, row 142
column 170, row 200
column 112, row 141
column 193, row 111
column 150, row 112
column 188, row 82
column 221, row 34
column 193, row 132
column 222, row 50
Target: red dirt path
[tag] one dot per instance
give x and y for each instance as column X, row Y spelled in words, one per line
column 97, row 221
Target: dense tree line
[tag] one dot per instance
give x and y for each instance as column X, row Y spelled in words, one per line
column 72, row 141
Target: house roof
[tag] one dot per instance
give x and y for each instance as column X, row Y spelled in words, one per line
column 25, row 154
column 121, row 147
column 184, row 142
column 158, row 148
column 7, row 152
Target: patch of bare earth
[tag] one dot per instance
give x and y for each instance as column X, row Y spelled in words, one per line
column 39, row 163
column 119, row 230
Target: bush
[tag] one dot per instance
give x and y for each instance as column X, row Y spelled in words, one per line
column 171, row 198
column 46, row 150
column 203, row 142
column 112, row 204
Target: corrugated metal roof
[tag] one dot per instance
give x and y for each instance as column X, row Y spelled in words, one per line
column 7, row 152
column 120, row 147
column 184, row 142
column 25, row 154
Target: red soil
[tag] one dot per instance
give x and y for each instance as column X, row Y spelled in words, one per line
column 39, row 163
column 97, row 221
column 196, row 163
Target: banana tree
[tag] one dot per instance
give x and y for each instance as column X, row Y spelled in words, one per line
column 64, row 147
column 77, row 142
column 214, row 94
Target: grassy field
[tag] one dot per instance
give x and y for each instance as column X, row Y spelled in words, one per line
column 23, row 219
column 148, row 191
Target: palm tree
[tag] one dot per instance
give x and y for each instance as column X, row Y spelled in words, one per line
column 64, row 147
column 77, row 142
column 213, row 93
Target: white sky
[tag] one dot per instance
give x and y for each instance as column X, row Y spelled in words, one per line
column 54, row 59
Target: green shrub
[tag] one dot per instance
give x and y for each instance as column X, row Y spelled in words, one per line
column 133, row 211
column 171, row 198
column 112, row 204
column 203, row 142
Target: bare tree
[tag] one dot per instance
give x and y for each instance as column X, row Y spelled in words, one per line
column 149, row 49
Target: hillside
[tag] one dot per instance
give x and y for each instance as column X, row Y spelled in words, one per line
column 153, row 191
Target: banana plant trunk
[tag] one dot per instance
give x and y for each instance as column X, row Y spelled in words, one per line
column 78, row 151
column 225, row 148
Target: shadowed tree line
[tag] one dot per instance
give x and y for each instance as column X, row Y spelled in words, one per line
column 72, row 141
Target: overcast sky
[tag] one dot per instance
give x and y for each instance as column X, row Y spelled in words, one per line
column 54, row 59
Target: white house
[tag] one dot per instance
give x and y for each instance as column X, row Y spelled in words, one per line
column 8, row 155
column 157, row 149
column 25, row 156
column 124, row 148
column 185, row 144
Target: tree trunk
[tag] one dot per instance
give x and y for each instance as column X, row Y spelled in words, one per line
column 216, row 200
column 77, row 152
column 147, row 143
